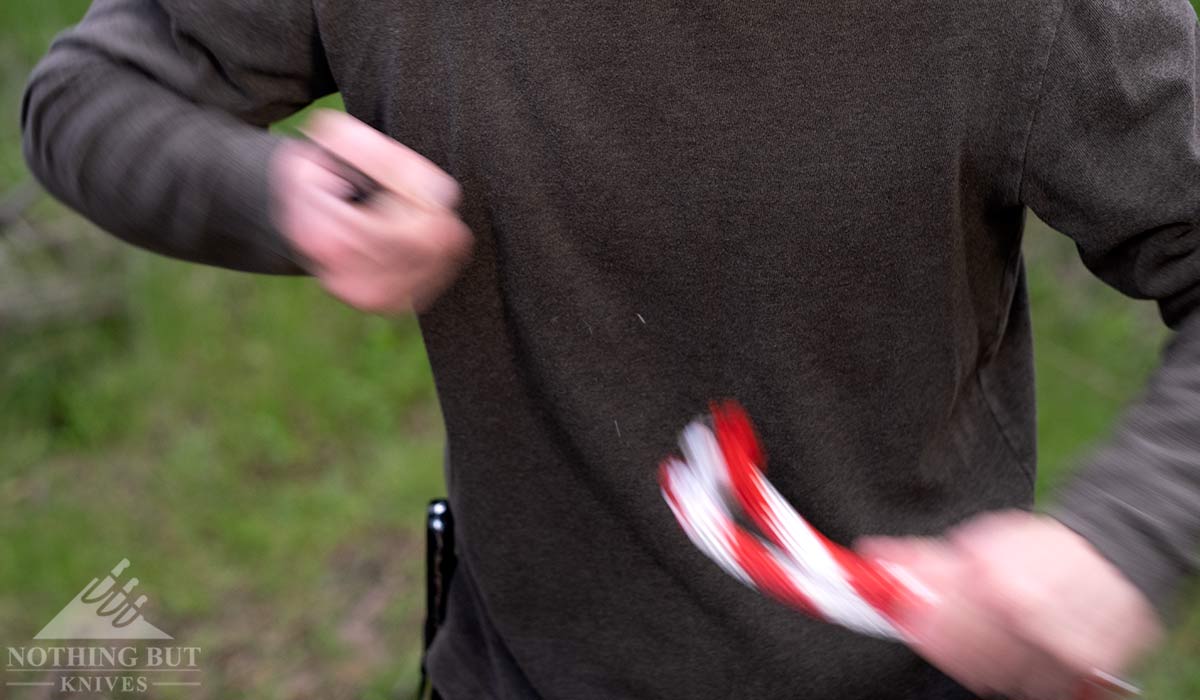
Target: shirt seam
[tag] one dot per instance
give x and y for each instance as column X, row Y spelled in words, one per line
column 1027, row 471
column 1036, row 112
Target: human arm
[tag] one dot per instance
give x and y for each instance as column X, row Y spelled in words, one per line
column 1032, row 603
column 149, row 118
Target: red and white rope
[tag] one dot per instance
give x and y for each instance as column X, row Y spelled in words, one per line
column 720, row 478
column 720, row 473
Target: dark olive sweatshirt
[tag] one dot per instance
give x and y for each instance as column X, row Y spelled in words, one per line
column 814, row 208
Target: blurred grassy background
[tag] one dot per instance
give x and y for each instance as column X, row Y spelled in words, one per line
column 262, row 454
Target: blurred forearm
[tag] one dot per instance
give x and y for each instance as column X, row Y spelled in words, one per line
column 1138, row 500
column 144, row 129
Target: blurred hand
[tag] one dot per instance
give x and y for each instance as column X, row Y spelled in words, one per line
column 395, row 251
column 1026, row 608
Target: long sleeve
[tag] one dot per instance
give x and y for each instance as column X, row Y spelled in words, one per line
column 148, row 118
column 1113, row 161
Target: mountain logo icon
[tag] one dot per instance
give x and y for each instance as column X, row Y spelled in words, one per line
column 104, row 610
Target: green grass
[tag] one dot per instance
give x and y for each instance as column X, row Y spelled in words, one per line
column 1094, row 349
column 258, row 451
column 261, row 453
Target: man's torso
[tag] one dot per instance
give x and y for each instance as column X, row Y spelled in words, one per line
column 811, row 208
